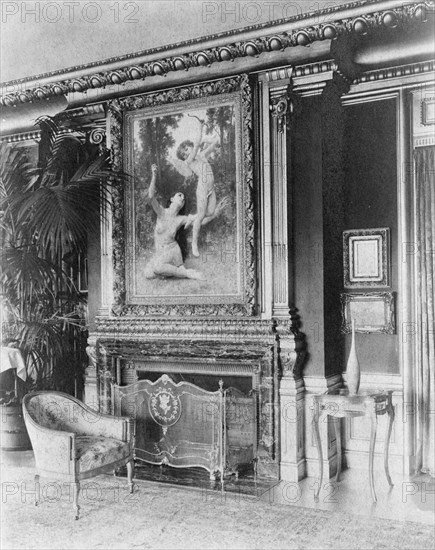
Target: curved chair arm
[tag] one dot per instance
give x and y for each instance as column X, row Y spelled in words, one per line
column 54, row 450
column 104, row 425
column 76, row 417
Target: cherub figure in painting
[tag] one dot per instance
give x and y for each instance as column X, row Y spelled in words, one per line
column 192, row 158
column 167, row 260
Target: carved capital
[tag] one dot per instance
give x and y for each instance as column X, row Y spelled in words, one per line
column 97, row 136
column 292, row 346
column 292, row 360
column 289, row 327
column 281, row 107
column 288, row 361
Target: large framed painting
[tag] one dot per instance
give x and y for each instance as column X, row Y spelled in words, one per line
column 184, row 224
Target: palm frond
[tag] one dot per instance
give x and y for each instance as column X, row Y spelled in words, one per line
column 48, row 212
column 17, row 175
column 23, row 268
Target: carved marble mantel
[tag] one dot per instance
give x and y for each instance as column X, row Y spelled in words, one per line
column 272, row 351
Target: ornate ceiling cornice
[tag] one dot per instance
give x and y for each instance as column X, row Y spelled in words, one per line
column 25, row 136
column 359, row 18
column 396, row 72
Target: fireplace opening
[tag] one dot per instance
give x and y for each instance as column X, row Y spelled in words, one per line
column 240, row 426
column 207, row 382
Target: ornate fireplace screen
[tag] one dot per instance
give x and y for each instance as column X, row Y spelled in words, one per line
column 182, row 425
column 176, row 424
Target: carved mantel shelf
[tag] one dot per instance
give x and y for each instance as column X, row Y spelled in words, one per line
column 146, row 328
column 234, row 332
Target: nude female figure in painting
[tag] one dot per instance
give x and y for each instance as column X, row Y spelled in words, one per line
column 167, row 260
column 192, row 159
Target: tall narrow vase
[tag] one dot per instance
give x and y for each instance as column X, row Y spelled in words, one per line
column 352, row 368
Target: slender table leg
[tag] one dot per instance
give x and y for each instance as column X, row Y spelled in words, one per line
column 337, row 427
column 319, row 447
column 37, row 490
column 76, row 491
column 130, row 474
column 372, row 452
column 390, row 411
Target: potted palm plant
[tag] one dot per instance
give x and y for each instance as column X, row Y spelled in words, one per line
column 47, row 211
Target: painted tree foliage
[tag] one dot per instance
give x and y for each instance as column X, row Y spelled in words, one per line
column 154, row 144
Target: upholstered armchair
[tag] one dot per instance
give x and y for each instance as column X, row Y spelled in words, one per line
column 72, row 442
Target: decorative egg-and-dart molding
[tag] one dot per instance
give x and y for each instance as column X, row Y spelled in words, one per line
column 395, row 16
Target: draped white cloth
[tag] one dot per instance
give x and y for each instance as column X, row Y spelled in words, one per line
column 11, row 359
column 425, row 231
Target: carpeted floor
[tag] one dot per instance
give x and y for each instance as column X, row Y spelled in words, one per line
column 161, row 516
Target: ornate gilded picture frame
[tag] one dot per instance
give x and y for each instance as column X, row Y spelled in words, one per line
column 373, row 312
column 183, row 228
column 366, row 258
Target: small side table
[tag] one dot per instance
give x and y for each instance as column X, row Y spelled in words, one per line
column 11, row 358
column 342, row 405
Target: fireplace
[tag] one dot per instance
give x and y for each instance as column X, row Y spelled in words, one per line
column 253, row 359
column 204, row 388
column 238, row 322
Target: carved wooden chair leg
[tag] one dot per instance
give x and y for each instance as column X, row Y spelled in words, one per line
column 130, row 473
column 76, row 491
column 37, row 490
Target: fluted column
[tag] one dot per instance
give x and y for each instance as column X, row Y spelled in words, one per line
column 276, row 219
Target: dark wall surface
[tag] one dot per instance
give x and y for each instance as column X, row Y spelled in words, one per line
column 369, row 200
column 308, row 231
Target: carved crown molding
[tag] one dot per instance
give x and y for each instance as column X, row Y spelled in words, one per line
column 313, row 78
column 323, row 25
column 94, row 110
column 26, row 136
column 310, row 69
column 395, row 72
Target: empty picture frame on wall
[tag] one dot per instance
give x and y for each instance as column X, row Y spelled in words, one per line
column 366, row 258
column 428, row 111
column 372, row 312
